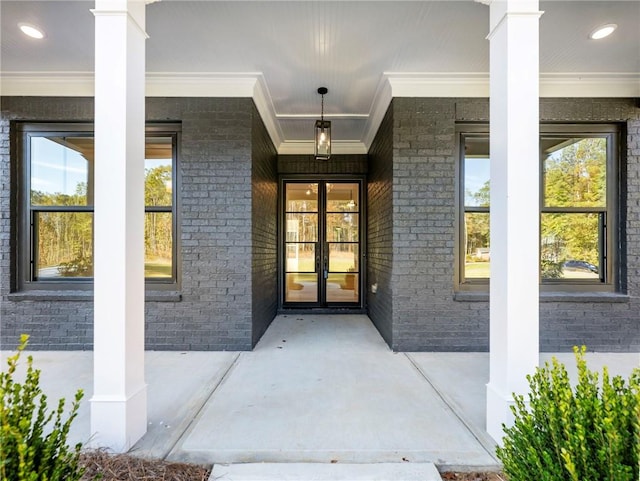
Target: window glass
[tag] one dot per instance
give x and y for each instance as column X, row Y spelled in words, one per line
column 476, row 245
column 158, row 243
column 158, row 182
column 64, row 244
column 570, row 245
column 342, row 227
column 574, row 172
column 475, row 231
column 59, row 172
column 342, row 197
column 60, row 168
column 577, row 206
column 302, row 197
column 476, row 172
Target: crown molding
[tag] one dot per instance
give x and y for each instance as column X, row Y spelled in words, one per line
column 44, row 84
column 264, row 104
column 452, row 84
column 588, row 84
column 449, row 84
column 253, row 85
column 379, row 105
column 202, row 84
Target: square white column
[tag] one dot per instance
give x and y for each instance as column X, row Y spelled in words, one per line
column 515, row 238
column 119, row 403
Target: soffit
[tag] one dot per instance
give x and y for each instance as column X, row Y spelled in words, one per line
column 363, row 51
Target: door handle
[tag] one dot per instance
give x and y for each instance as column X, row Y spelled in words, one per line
column 317, row 263
column 326, row 267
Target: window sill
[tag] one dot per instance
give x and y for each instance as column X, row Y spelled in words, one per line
column 76, row 295
column 589, row 297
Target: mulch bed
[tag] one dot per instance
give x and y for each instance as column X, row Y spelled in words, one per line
column 124, row 467
column 449, row 476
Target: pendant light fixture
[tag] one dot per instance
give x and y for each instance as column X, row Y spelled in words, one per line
column 323, row 132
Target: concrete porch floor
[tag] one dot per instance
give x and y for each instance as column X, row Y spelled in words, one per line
column 317, row 388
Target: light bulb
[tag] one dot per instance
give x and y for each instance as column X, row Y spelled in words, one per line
column 31, row 31
column 602, row 32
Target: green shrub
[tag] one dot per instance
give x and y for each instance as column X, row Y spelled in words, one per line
column 27, row 452
column 590, row 433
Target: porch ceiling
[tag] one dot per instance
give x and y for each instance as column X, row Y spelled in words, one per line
column 280, row 52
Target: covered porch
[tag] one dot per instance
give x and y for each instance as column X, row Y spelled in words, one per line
column 316, row 389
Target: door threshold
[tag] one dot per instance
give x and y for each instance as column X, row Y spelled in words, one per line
column 323, row 310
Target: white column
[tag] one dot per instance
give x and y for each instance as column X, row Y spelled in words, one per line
column 515, row 168
column 119, row 403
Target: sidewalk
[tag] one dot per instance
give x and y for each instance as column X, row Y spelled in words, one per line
column 315, row 389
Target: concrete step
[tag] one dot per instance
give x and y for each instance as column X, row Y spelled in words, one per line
column 325, row 472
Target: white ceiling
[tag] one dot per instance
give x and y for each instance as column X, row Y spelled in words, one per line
column 280, row 52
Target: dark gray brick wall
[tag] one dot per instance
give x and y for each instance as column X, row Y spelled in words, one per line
column 264, row 200
column 425, row 316
column 228, row 253
column 424, row 185
column 337, row 164
column 380, row 228
column 51, row 324
column 215, row 215
column 215, row 227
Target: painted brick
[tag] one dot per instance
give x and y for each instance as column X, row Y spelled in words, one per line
column 425, row 316
column 225, row 155
column 380, row 221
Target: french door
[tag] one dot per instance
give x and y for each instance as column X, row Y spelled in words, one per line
column 322, row 243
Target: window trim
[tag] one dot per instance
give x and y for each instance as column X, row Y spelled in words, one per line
column 24, row 246
column 613, row 250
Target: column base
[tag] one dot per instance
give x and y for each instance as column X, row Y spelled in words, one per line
column 498, row 412
column 118, row 423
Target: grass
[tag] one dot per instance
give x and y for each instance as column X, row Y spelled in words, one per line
column 157, row 268
column 482, row 270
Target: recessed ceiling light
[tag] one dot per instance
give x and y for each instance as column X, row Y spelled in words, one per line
column 603, row 31
column 31, row 31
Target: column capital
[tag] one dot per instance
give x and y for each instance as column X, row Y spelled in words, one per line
column 135, row 10
column 502, row 10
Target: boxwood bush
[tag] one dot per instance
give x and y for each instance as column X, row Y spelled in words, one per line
column 586, row 432
column 33, row 440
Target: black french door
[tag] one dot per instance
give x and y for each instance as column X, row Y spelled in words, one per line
column 322, row 243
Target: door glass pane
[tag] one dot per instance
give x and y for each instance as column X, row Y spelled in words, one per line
column 301, row 257
column 301, row 197
column 342, row 197
column 575, row 172
column 65, row 244
column 342, row 287
column 343, row 257
column 301, row 287
column 569, row 247
column 158, row 244
column 302, row 227
column 61, row 170
column 476, row 245
column 342, row 227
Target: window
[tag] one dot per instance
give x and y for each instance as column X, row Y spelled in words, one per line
column 578, row 206
column 56, row 238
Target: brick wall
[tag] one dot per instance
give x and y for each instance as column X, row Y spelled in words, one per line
column 425, row 314
column 380, row 228
column 52, row 324
column 264, row 232
column 215, row 216
column 228, row 247
column 337, row 164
